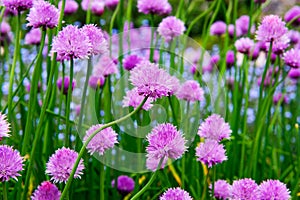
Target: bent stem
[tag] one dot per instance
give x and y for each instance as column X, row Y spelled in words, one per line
column 82, row 150
column 137, row 195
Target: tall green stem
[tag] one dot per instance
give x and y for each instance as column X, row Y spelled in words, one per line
column 4, row 190
column 68, row 106
column 137, row 195
column 82, row 150
column 102, row 175
column 13, row 66
column 33, row 94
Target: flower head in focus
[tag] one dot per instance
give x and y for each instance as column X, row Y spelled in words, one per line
column 222, row 189
column 244, row 189
column 4, row 126
column 103, row 140
column 71, row 7
column 175, row 194
column 125, row 184
column 46, row 191
column 273, row 189
column 61, row 164
column 11, row 163
column 17, row 5
column 292, row 58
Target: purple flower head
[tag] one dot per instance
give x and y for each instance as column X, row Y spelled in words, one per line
column 211, row 153
column 4, row 28
column 231, row 30
column 152, row 81
column 46, row 191
column 214, row 60
column 61, row 164
column 294, row 73
column 244, row 45
column 175, row 194
column 106, row 66
column 218, row 28
column 65, row 87
column 97, row 7
column 111, row 4
column 273, row 189
column 71, row 7
column 131, row 61
column 96, row 81
column 254, row 52
column 230, row 59
column 17, row 5
column 271, row 28
column 4, row 126
column 292, row 58
column 11, row 163
column 222, row 189
column 294, row 36
column 280, row 98
column 102, row 141
column 170, row 27
column 244, row 189
column 190, row 91
column 99, row 43
column 165, row 142
column 43, row 14
column 214, row 128
column 133, row 99
column 71, row 42
column 160, row 7
column 125, row 184
column 293, row 14
column 242, row 23
column 33, row 37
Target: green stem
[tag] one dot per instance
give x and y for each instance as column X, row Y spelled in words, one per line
column 152, row 38
column 179, row 8
column 102, row 175
column 137, row 195
column 4, row 190
column 82, row 150
column 61, row 16
column 113, row 18
column 33, row 95
column 68, row 106
column 13, row 66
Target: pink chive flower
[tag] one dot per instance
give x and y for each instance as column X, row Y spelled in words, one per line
column 170, row 27
column 33, row 37
column 271, row 28
column 230, row 58
column 273, row 189
column 242, row 23
column 17, row 5
column 280, row 98
column 64, row 88
column 71, row 42
column 214, row 128
column 244, row 45
column 11, row 163
column 231, row 29
column 71, row 7
column 43, row 14
column 4, row 126
column 222, row 189
column 294, row 36
column 218, row 28
column 125, row 184
column 152, row 81
column 160, row 7
column 293, row 14
column 103, row 140
column 175, row 194
column 210, row 153
column 244, row 189
column 133, row 99
column 4, row 28
column 97, row 7
column 97, row 40
column 111, row 4
column 96, row 81
column 280, row 45
column 46, row 191
column 61, row 164
column 292, row 58
column 165, row 142
column 190, row 91
column 131, row 61
column 294, row 73
column 106, row 66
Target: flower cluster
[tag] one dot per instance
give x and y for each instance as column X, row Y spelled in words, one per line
column 160, row 7
column 46, row 191
column 175, row 194
column 171, row 27
column 125, row 184
column 4, row 126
